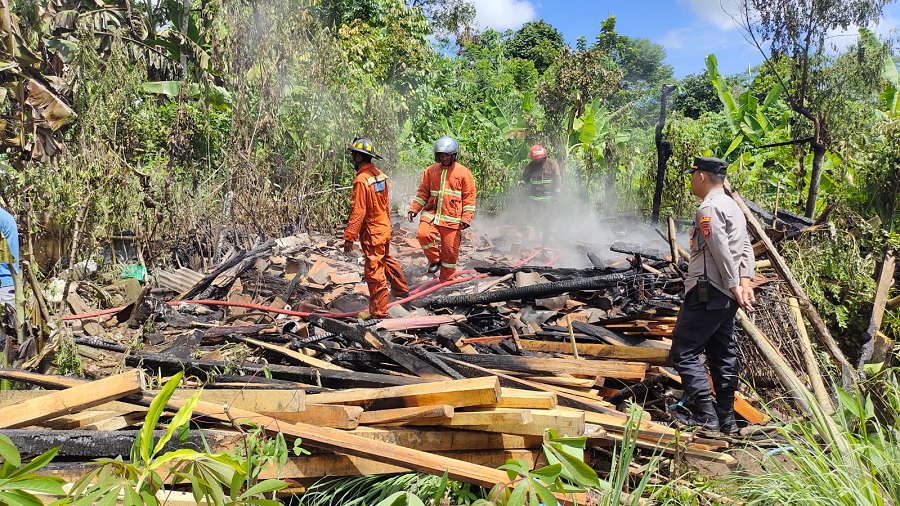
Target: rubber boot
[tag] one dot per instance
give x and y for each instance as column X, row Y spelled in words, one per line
column 725, row 412
column 705, row 416
column 432, row 268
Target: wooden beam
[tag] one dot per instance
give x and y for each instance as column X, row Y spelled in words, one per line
column 566, row 423
column 408, row 416
column 319, row 466
column 436, row 439
column 605, row 368
column 885, row 278
column 323, row 415
column 654, row 356
column 71, row 400
column 287, row 352
column 505, row 417
column 456, row 393
column 251, row 400
column 43, row 380
column 528, row 399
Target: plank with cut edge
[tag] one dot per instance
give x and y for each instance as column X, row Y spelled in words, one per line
column 566, row 423
column 500, row 417
column 319, row 466
column 70, row 400
column 528, row 399
column 323, row 415
column 652, row 356
column 434, row 439
column 251, row 400
column 536, row 365
column 407, row 415
column 456, row 393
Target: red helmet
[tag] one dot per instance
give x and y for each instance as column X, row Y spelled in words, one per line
column 537, row 152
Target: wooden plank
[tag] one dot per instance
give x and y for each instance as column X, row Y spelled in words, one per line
column 606, row 368
column 407, row 415
column 9, row 397
column 76, row 420
column 299, row 357
column 323, row 415
column 252, row 400
column 79, row 306
column 566, row 423
column 319, row 466
column 564, row 381
column 511, row 381
column 118, row 422
column 654, row 356
column 456, row 393
column 71, row 400
column 614, row 338
column 505, row 417
column 885, row 279
column 436, row 439
column 529, row 399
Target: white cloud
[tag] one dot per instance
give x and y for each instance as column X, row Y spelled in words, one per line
column 503, row 14
column 723, row 14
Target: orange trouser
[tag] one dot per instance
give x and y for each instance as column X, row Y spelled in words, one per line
column 447, row 254
column 380, row 269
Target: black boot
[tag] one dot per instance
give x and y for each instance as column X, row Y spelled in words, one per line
column 725, row 412
column 705, row 416
column 432, row 268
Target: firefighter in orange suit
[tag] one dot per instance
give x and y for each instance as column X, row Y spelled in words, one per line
column 446, row 199
column 370, row 221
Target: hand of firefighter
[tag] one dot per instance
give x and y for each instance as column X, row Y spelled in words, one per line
column 348, row 246
column 464, row 225
column 410, row 216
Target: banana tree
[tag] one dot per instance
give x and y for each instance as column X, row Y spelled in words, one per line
column 594, row 137
column 890, row 95
column 748, row 119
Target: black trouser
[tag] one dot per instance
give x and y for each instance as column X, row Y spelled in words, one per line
column 706, row 327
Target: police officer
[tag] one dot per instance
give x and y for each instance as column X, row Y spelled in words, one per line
column 717, row 283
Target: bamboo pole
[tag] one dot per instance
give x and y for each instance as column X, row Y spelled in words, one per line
column 809, row 359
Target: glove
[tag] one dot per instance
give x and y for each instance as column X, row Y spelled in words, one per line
column 348, row 246
column 410, row 216
column 464, row 225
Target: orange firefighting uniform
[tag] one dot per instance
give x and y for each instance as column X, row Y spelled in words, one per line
column 446, row 198
column 370, row 221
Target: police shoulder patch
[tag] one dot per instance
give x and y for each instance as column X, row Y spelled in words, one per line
column 704, row 225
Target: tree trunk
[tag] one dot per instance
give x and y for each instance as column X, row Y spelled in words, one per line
column 814, row 178
column 663, row 152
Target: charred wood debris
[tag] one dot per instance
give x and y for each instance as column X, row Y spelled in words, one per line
column 461, row 378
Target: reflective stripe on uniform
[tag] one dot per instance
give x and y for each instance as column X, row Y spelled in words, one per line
column 469, row 208
column 430, row 245
column 453, row 192
column 450, row 219
column 374, row 179
column 420, row 201
column 448, row 266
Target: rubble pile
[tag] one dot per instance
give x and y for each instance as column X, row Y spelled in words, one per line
column 464, row 376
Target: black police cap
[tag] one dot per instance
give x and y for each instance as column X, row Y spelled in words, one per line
column 709, row 164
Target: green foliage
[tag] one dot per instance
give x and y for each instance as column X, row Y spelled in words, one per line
column 536, row 41
column 387, row 490
column 696, row 96
column 19, row 483
column 214, row 478
column 66, row 359
column 837, row 279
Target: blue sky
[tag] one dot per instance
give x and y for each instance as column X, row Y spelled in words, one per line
column 687, row 29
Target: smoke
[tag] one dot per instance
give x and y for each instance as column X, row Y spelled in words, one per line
column 567, row 227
